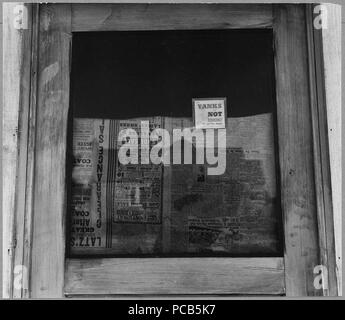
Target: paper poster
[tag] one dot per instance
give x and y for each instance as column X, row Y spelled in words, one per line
column 209, row 113
column 135, row 209
column 106, row 193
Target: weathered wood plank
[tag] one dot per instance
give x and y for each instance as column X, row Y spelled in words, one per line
column 111, row 17
column 48, row 244
column 23, row 196
column 331, row 42
column 30, row 142
column 175, row 276
column 321, row 155
column 17, row 86
column 296, row 150
column 11, row 84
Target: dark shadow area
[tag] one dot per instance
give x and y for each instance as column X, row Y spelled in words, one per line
column 125, row 74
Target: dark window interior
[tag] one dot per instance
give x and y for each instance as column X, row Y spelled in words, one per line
column 129, row 75
column 120, row 75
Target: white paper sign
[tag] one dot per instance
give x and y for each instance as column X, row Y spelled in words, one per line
column 209, row 113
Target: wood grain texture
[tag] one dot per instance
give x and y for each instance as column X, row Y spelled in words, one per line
column 13, row 57
column 23, row 196
column 112, row 17
column 175, row 276
column 31, row 143
column 18, row 88
column 331, row 42
column 48, row 247
column 296, row 150
column 322, row 172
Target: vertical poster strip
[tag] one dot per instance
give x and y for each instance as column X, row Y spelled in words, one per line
column 111, row 174
column 89, row 185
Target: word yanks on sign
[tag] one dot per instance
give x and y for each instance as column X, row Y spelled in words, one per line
column 209, row 113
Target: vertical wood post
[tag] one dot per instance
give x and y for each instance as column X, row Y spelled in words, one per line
column 296, row 150
column 48, row 247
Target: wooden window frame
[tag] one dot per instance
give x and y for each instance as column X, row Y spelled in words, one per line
column 38, row 210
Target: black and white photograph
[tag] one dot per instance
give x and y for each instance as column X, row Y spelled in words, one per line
column 172, row 149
